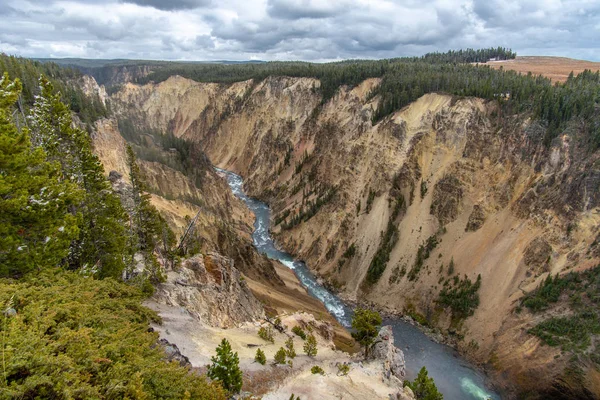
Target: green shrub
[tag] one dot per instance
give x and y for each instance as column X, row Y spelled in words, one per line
column 225, row 368
column 397, row 274
column 423, row 189
column 77, row 337
column 551, row 288
column 423, row 254
column 382, row 256
column 343, row 369
column 389, row 240
column 573, row 331
column 299, row 332
column 350, row 251
column 317, row 370
column 365, row 324
column 266, row 334
column 370, row 199
column 451, row 267
column 325, row 195
column 461, row 296
column 424, row 387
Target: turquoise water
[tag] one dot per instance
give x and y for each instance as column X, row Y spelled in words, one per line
column 454, row 377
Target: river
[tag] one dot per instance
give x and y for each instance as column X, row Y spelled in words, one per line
column 454, row 377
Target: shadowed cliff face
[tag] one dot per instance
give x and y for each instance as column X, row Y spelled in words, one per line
column 453, row 181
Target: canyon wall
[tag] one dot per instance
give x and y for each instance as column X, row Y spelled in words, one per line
column 224, row 224
column 443, row 192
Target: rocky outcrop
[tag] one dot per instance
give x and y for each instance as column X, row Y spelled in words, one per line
column 392, row 358
column 172, row 353
column 537, row 252
column 537, row 255
column 211, row 289
column 91, row 88
column 476, row 219
column 447, row 196
column 308, row 322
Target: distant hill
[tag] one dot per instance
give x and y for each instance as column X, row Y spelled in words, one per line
column 555, row 68
column 98, row 63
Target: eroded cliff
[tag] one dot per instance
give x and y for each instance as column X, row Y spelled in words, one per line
column 224, row 225
column 418, row 205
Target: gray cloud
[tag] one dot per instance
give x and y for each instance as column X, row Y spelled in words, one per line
column 296, row 9
column 295, row 29
column 169, row 5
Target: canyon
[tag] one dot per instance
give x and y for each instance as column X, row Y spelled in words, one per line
column 445, row 187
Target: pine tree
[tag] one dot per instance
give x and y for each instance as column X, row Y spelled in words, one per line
column 365, row 324
column 101, row 245
column 290, row 351
column 280, row 356
column 451, row 266
column 260, row 357
column 310, row 346
column 36, row 227
column 225, row 368
column 148, row 227
column 424, row 387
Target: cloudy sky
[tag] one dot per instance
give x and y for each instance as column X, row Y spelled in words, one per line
column 316, row 30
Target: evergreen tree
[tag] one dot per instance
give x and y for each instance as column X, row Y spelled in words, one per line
column 260, row 357
column 280, row 356
column 101, row 244
column 424, row 387
column 148, row 228
column 290, row 351
column 366, row 324
column 225, row 368
column 36, row 227
column 310, row 346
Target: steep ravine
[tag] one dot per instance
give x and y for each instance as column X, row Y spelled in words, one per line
column 489, row 197
column 454, row 378
column 224, row 225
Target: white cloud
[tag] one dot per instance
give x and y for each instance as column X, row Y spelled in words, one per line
column 294, row 29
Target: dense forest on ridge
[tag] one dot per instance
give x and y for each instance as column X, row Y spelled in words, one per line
column 406, row 79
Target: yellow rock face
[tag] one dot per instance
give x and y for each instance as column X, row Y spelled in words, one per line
column 290, row 148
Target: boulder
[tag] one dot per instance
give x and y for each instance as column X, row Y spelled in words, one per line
column 173, row 354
